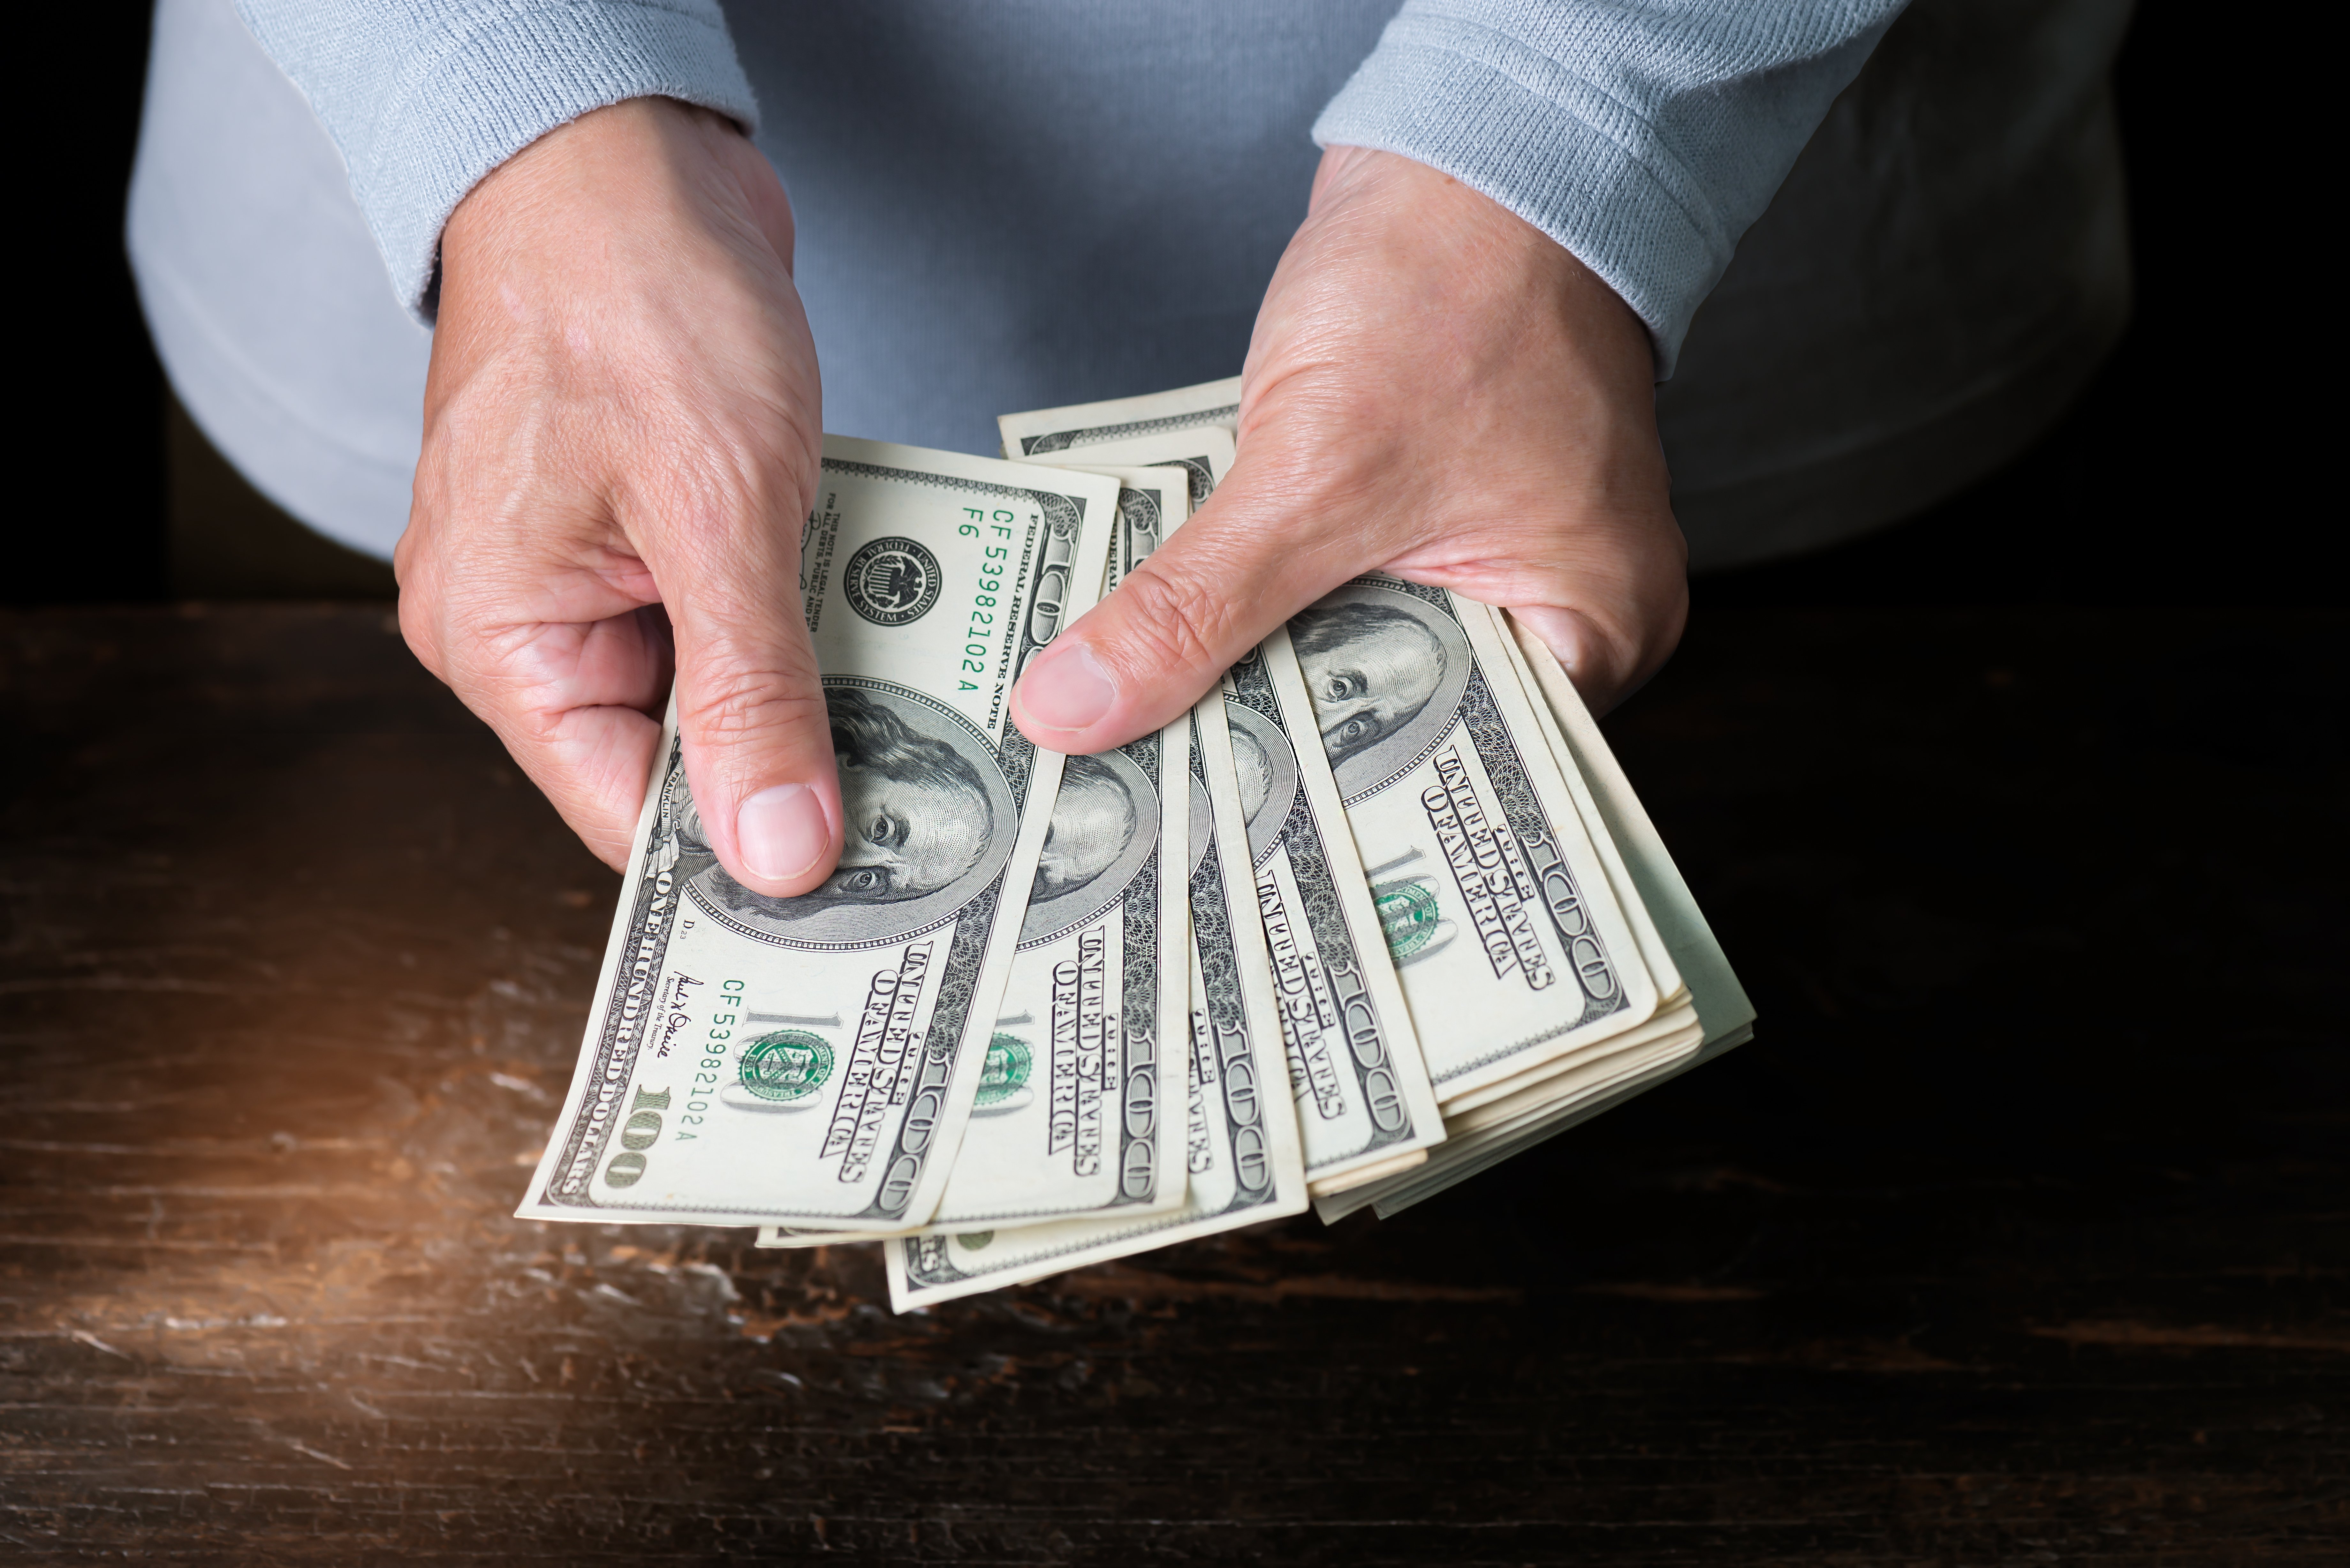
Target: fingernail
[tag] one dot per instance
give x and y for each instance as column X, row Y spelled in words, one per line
column 1563, row 632
column 782, row 832
column 1067, row 689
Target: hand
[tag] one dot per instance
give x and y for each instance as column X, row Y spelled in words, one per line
column 622, row 427
column 1436, row 389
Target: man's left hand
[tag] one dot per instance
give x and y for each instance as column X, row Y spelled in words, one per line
column 1435, row 388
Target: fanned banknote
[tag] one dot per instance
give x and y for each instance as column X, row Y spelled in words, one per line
column 1243, row 1160
column 812, row 1061
column 1077, row 1111
column 1075, row 1114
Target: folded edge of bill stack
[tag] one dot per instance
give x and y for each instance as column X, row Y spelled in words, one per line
column 1708, row 1016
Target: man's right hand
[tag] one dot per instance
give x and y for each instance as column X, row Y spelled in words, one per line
column 623, row 427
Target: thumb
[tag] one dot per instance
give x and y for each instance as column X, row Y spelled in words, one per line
column 1614, row 610
column 751, row 712
column 1605, row 670
column 1194, row 607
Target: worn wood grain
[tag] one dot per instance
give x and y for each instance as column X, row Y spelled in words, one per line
column 2018, row 1237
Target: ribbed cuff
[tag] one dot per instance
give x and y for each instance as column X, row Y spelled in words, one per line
column 1553, row 148
column 489, row 82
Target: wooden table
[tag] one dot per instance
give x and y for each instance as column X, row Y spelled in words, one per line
column 2017, row 1237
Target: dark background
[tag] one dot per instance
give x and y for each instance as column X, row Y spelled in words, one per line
column 2015, row 1237
column 2173, row 483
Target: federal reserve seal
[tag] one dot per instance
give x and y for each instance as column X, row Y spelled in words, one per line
column 1408, row 918
column 893, row 581
column 785, row 1066
column 1003, row 1078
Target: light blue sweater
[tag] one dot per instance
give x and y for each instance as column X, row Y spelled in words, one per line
column 1644, row 135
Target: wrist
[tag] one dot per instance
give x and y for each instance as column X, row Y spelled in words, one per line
column 620, row 170
column 1490, row 260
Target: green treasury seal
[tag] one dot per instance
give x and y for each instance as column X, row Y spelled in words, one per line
column 893, row 581
column 790, row 1064
column 1408, row 916
column 1006, row 1070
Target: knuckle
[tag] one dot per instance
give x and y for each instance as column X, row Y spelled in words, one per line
column 729, row 701
column 424, row 617
column 717, row 492
column 1175, row 622
column 418, row 629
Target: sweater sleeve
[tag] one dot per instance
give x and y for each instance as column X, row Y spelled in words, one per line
column 1643, row 135
column 425, row 97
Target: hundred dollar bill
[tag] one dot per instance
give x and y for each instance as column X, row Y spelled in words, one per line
column 1242, row 1159
column 1497, row 911
column 1099, row 991
column 811, row 1061
column 1073, row 1113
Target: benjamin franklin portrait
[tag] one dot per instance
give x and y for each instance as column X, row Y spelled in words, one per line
column 1385, row 671
column 924, row 813
column 1369, row 669
column 1093, row 819
column 1104, row 821
column 914, row 811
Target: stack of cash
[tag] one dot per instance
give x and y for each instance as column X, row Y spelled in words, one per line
column 1377, row 914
